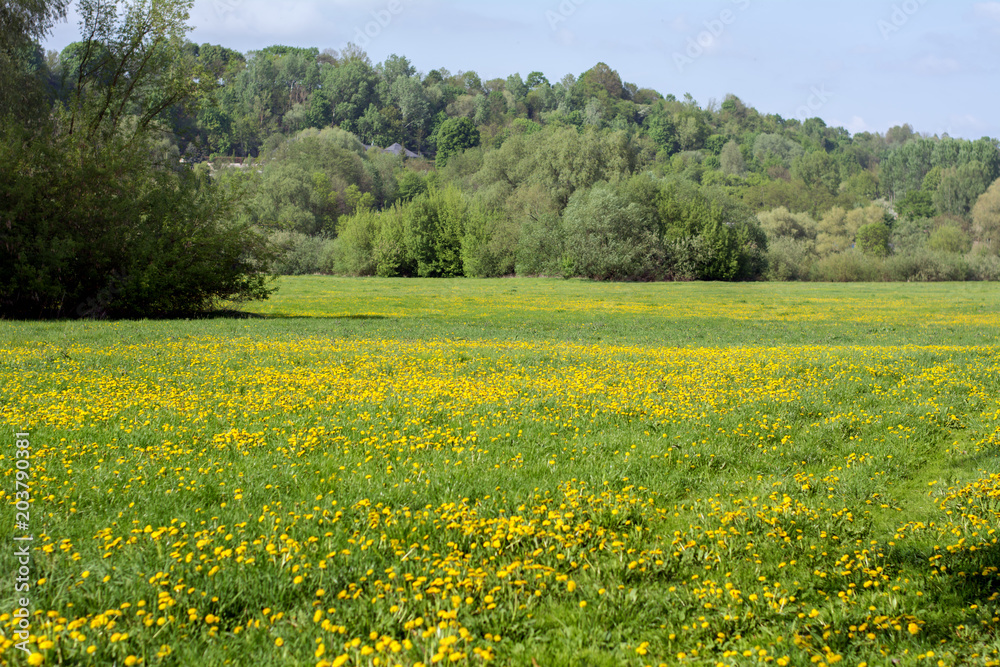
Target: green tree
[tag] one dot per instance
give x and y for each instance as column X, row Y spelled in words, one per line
column 132, row 67
column 435, row 229
column 951, row 239
column 960, row 188
column 98, row 230
column 663, row 131
column 782, row 223
column 838, row 228
column 916, row 204
column 818, row 170
column 731, row 159
column 610, row 238
column 454, row 136
column 986, row 219
column 775, row 149
column 22, row 24
column 94, row 223
column 905, row 167
column 873, row 239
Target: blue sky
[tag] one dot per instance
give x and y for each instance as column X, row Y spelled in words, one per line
column 860, row 64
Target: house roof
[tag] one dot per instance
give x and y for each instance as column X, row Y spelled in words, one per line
column 395, row 149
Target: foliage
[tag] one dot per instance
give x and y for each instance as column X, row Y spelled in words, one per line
column 949, row 238
column 489, row 247
column 789, row 258
column 986, row 219
column 287, row 129
column 131, row 68
column 99, row 217
column 960, row 188
column 873, row 239
column 301, row 254
column 435, row 231
column 98, row 231
column 22, row 68
column 453, row 136
column 916, row 204
column 608, row 237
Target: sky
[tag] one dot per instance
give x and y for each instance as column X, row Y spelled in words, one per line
column 865, row 65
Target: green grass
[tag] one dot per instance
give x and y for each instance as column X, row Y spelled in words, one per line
column 595, row 474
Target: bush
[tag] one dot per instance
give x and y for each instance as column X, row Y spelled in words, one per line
column 393, row 254
column 951, row 239
column 609, row 238
column 301, row 254
column 847, row 267
column 873, row 239
column 984, row 266
column 489, row 247
column 353, row 250
column 927, row 266
column 789, row 259
column 435, row 228
column 96, row 230
column 909, row 236
column 541, row 246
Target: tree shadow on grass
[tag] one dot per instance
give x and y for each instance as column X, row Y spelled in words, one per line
column 356, row 318
column 228, row 315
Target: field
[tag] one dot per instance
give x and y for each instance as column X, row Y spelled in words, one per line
column 512, row 472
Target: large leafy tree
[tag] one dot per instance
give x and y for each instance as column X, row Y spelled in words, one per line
column 132, row 67
column 986, row 219
column 454, row 136
column 93, row 221
column 22, row 24
column 960, row 187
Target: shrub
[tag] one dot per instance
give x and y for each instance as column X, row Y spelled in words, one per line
column 435, row 229
column 927, row 266
column 97, row 230
column 300, row 254
column 541, row 246
column 608, row 238
column 489, row 247
column 847, row 267
column 950, row 239
column 873, row 239
column 354, row 249
column 393, row 254
column 789, row 259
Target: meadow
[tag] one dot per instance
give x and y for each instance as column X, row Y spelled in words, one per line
column 513, row 472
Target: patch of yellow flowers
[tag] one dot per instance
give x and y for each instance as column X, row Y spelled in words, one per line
column 394, row 422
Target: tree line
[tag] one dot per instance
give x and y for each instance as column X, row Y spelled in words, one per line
column 119, row 195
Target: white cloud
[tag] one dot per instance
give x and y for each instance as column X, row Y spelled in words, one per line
column 855, row 125
column 987, row 10
column 989, row 14
column 935, row 66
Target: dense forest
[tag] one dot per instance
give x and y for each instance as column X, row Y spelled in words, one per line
column 590, row 176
